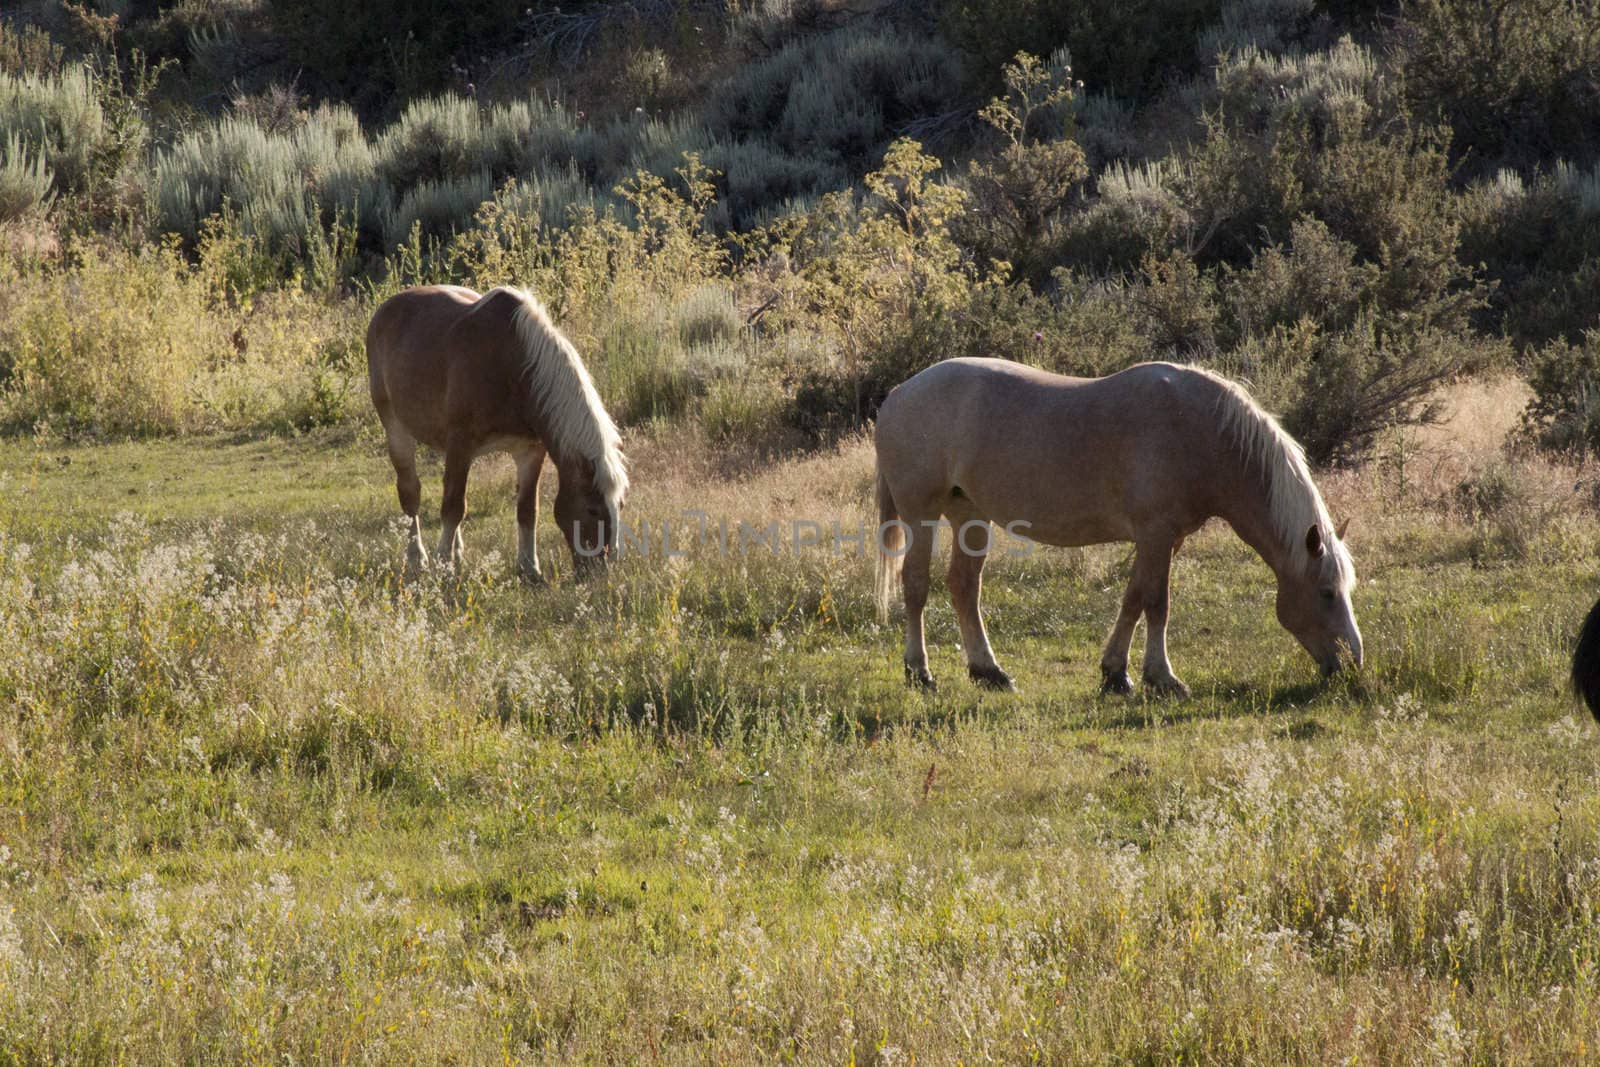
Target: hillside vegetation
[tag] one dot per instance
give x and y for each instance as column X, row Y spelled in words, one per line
column 761, row 215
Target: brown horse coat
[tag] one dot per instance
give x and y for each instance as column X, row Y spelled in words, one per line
column 468, row 375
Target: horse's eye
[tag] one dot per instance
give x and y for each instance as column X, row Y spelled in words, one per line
column 1329, row 595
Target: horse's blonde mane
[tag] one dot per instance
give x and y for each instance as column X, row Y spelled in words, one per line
column 568, row 403
column 1293, row 502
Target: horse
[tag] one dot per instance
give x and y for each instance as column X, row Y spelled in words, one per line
column 1586, row 661
column 469, row 375
column 1147, row 455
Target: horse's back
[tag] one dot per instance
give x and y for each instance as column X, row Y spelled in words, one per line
column 1084, row 459
column 410, row 349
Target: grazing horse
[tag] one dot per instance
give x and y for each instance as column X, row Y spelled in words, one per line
column 468, row 375
column 1147, row 455
column 1586, row 661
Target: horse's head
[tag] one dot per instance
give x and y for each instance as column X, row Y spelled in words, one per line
column 1314, row 602
column 589, row 521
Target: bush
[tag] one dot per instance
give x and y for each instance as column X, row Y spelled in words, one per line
column 24, row 180
column 1316, row 278
column 113, row 345
column 835, row 98
column 1137, row 213
column 1132, row 48
column 1515, row 81
column 436, row 140
column 1019, row 196
column 438, row 209
column 756, row 178
column 282, row 185
column 141, row 343
column 58, row 119
column 1564, row 414
column 1539, row 241
column 1338, row 390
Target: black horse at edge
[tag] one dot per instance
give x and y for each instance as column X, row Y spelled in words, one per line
column 1586, row 662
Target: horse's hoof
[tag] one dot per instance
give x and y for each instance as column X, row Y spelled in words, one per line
column 1115, row 683
column 992, row 678
column 1169, row 688
column 533, row 579
column 921, row 678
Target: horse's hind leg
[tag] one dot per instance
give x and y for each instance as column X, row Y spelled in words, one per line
column 968, row 550
column 453, row 507
column 914, row 585
column 403, row 454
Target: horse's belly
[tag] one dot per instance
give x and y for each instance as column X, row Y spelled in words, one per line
column 513, row 443
column 1070, row 533
column 1068, row 522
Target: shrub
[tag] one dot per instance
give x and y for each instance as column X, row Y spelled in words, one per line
column 281, row 185
column 27, row 49
column 24, row 180
column 139, row 342
column 757, row 178
column 1564, row 414
column 1137, row 213
column 834, row 98
column 881, row 278
column 1539, row 241
column 1131, row 48
column 113, row 345
column 1338, row 390
column 435, row 140
column 58, row 119
column 1514, row 81
column 707, row 316
column 1175, row 307
column 1019, row 196
column 438, row 209
column 1316, row 278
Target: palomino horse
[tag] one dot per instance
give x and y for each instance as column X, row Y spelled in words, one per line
column 469, row 375
column 1147, row 456
column 1586, row 661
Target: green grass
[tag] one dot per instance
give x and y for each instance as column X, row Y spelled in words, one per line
column 262, row 799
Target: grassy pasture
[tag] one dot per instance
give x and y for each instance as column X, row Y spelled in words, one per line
column 261, row 799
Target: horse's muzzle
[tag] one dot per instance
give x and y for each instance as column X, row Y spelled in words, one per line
column 1345, row 655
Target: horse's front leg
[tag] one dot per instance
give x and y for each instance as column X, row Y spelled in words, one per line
column 403, row 454
column 1157, row 597
column 529, row 465
column 1147, row 594
column 457, row 461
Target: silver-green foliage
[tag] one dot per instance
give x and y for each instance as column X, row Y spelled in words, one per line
column 24, row 180
column 438, row 208
column 56, row 116
column 279, row 183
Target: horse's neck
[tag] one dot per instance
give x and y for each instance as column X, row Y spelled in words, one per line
column 1249, row 511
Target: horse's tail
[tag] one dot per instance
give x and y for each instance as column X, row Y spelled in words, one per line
column 1586, row 661
column 891, row 541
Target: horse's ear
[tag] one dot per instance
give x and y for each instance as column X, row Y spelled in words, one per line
column 1314, row 541
column 1343, row 526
